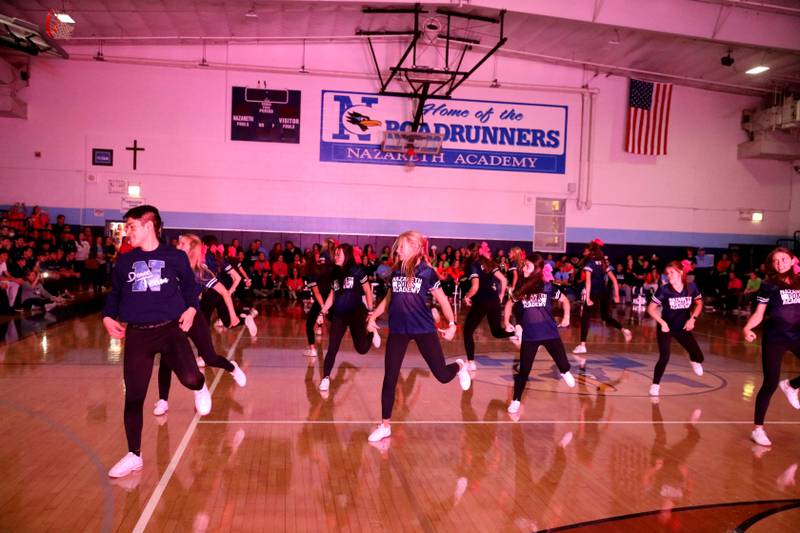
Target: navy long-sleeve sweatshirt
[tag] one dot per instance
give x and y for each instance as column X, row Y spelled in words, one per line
column 151, row 287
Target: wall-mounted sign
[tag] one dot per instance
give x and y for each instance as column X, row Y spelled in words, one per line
column 129, row 202
column 478, row 134
column 117, row 186
column 103, row 157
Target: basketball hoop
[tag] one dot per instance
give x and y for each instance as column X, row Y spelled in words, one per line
column 56, row 25
column 412, row 143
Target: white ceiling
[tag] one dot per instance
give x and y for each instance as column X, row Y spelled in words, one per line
column 679, row 57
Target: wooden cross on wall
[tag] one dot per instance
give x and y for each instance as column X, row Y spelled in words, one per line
column 135, row 148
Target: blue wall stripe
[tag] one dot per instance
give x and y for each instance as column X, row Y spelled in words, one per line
column 333, row 225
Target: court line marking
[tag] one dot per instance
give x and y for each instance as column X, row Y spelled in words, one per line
column 490, row 422
column 150, row 508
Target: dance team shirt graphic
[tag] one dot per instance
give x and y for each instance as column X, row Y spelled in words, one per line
column 481, row 135
column 790, row 296
column 683, row 302
column 535, row 300
column 402, row 284
column 147, row 275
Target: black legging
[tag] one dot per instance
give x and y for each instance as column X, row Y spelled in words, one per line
column 311, row 320
column 489, row 308
column 685, row 339
column 431, row 351
column 527, row 353
column 362, row 339
column 141, row 346
column 771, row 357
column 212, row 300
column 600, row 300
column 201, row 337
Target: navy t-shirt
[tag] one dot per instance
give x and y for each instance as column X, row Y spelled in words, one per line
column 598, row 273
column 321, row 281
column 408, row 309
column 783, row 312
column 347, row 290
column 205, row 279
column 534, row 314
column 151, row 287
column 676, row 307
column 486, row 289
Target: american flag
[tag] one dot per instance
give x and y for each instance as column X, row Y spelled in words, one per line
column 648, row 117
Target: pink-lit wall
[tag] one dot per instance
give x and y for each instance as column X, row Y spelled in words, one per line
column 200, row 178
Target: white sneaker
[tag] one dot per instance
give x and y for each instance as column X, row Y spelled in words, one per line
column 565, row 440
column 48, row 307
column 791, row 393
column 759, row 436
column 655, row 389
column 202, row 401
column 516, row 341
column 514, row 407
column 510, row 328
column 251, row 325
column 161, row 407
column 376, row 338
column 380, row 433
column 471, row 366
column 627, row 334
column 325, row 384
column 311, row 351
column 568, row 378
column 130, row 463
column 464, row 378
column 697, row 368
column 253, row 312
column 579, row 349
column 238, row 375
column 200, row 362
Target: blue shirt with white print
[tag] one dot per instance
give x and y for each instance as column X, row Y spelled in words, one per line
column 486, row 288
column 782, row 313
column 535, row 314
column 598, row 273
column 348, row 290
column 676, row 307
column 151, row 287
column 408, row 309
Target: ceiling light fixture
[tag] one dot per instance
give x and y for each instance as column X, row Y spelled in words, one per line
column 757, row 70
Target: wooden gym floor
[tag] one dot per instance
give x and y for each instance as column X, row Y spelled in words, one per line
column 277, row 456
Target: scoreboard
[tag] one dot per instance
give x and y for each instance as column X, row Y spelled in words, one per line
column 265, row 115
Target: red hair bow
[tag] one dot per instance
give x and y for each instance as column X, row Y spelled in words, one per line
column 687, row 266
column 599, row 242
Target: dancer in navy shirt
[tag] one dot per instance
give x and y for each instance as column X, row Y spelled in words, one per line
column 199, row 333
column 350, row 283
column 532, row 305
column 317, row 275
column 410, row 319
column 152, row 304
column 482, row 297
column 778, row 301
column 596, row 269
column 681, row 303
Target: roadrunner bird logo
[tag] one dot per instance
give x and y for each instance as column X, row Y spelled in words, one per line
column 362, row 121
